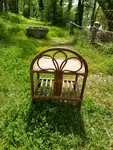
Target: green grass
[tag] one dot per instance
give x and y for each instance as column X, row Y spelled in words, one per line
column 52, row 125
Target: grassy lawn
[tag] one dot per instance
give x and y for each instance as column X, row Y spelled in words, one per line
column 52, row 125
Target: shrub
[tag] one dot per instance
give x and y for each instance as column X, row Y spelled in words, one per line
column 109, row 66
column 14, row 18
column 107, row 48
column 14, row 29
column 80, row 37
column 3, row 29
column 57, row 32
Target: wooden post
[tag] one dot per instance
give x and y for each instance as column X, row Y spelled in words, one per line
column 71, row 31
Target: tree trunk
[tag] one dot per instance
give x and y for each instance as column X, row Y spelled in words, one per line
column 69, row 5
column 93, row 13
column 1, row 5
column 41, row 5
column 61, row 11
column 5, row 6
column 54, row 12
column 41, row 8
column 80, row 11
column 26, row 9
column 13, row 4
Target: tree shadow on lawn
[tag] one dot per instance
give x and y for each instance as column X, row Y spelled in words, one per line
column 55, row 116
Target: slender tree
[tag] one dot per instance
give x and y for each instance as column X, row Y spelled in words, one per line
column 61, row 11
column 26, row 8
column 5, row 5
column 41, row 8
column 94, row 12
column 1, row 5
column 80, row 11
column 41, row 5
column 54, row 11
column 47, row 10
column 69, row 5
column 14, row 6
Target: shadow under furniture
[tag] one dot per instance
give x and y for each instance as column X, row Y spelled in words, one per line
column 58, row 74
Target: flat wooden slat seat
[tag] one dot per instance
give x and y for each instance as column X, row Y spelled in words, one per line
column 68, row 73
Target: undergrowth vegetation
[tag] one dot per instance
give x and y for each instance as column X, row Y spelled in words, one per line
column 52, row 125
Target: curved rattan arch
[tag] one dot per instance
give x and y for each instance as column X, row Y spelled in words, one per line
column 62, row 50
column 57, row 84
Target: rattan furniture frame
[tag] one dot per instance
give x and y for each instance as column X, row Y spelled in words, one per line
column 69, row 72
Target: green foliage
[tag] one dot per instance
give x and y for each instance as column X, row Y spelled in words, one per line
column 109, row 66
column 57, row 12
column 8, row 26
column 3, row 29
column 107, row 48
column 26, row 11
column 57, row 32
column 81, row 37
column 52, row 125
column 107, row 7
column 14, row 18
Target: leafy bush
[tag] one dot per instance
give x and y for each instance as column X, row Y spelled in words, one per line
column 15, row 29
column 109, row 66
column 107, row 48
column 57, row 32
column 3, row 30
column 80, row 37
column 14, row 18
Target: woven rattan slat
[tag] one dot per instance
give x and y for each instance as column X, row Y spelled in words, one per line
column 46, row 88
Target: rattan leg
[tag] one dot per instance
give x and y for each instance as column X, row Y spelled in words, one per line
column 78, row 105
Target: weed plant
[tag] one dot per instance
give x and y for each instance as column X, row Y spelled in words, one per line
column 51, row 125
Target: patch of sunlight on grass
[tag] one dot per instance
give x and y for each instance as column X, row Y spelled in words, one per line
column 99, row 88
